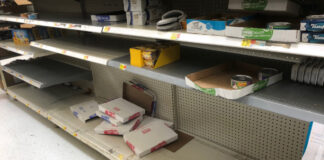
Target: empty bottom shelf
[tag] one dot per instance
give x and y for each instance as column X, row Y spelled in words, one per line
column 54, row 104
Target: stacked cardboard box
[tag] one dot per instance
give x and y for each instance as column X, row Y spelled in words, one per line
column 142, row 12
column 121, row 117
column 85, row 111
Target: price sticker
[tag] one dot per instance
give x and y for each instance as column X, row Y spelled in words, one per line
column 27, row 105
column 121, row 157
column 38, row 111
column 86, row 57
column 63, row 51
column 106, row 29
column 49, row 118
column 64, row 128
column 175, row 36
column 123, row 67
column 40, row 46
column 246, row 43
column 75, row 134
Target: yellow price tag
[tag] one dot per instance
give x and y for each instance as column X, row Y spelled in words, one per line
column 41, row 46
column 86, row 57
column 64, row 128
column 246, row 43
column 74, row 134
column 121, row 157
column 38, row 111
column 175, row 36
column 49, row 118
column 25, row 52
column 63, row 51
column 27, row 105
column 123, row 67
column 106, row 29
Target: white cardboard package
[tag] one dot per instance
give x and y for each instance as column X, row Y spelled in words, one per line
column 85, row 111
column 148, row 120
column 110, row 129
column 140, row 5
column 108, row 119
column 149, row 138
column 121, row 110
column 144, row 17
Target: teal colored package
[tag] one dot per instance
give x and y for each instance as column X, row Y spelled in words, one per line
column 312, row 37
column 312, row 25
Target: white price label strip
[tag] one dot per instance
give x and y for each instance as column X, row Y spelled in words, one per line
column 314, row 146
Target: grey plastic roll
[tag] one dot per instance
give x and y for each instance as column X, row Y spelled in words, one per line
column 167, row 21
column 315, row 73
column 309, row 70
column 320, row 79
column 294, row 72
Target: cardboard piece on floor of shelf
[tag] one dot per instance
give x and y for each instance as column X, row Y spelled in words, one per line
column 122, row 110
column 149, row 138
column 217, row 80
column 183, row 139
column 23, row 2
column 110, row 129
column 85, row 110
column 140, row 95
column 108, row 119
column 286, row 6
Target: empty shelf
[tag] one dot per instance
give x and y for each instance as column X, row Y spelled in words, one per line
column 23, row 50
column 44, row 72
column 92, row 51
column 291, row 99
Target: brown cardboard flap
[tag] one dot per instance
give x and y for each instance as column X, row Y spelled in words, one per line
column 183, row 139
column 138, row 97
column 220, row 75
column 27, row 25
column 23, row 2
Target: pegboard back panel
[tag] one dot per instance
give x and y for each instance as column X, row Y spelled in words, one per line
column 250, row 131
column 108, row 84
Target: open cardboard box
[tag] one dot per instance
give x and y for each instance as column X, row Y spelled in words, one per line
column 256, row 29
column 217, row 80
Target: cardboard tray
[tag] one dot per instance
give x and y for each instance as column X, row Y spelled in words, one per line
column 217, row 80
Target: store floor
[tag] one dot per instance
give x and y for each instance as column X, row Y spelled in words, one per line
column 25, row 135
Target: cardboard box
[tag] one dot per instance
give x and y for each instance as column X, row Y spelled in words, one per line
column 217, row 80
column 22, row 36
column 313, row 25
column 168, row 53
column 140, row 95
column 110, row 129
column 109, row 17
column 140, row 5
column 147, row 120
column 265, row 5
column 121, row 110
column 140, row 18
column 85, row 111
column 215, row 25
column 150, row 138
column 108, row 119
column 312, row 37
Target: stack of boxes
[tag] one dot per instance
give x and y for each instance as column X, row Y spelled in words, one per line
column 85, row 111
column 312, row 29
column 142, row 12
column 121, row 117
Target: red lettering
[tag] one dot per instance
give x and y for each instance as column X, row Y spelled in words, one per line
column 134, row 116
column 160, row 145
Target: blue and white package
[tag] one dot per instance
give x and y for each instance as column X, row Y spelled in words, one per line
column 86, row 110
column 312, row 25
column 312, row 37
column 213, row 27
column 144, row 17
column 109, row 17
column 140, row 5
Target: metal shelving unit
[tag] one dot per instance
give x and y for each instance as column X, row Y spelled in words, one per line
column 71, row 24
column 43, row 73
column 81, row 49
column 53, row 103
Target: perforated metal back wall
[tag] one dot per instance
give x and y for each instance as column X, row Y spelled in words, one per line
column 256, row 133
column 108, row 84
